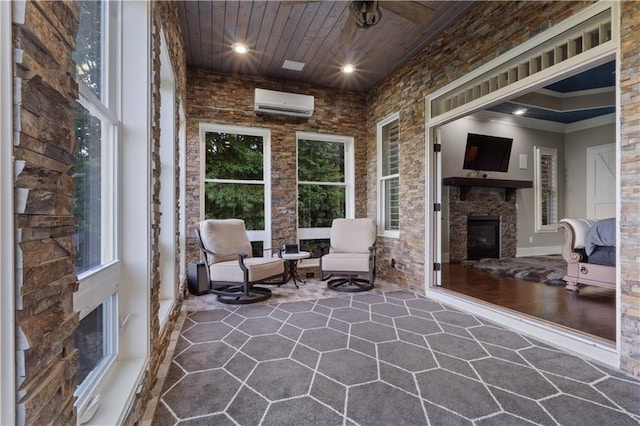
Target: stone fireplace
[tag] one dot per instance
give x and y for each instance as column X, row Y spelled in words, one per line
column 494, row 203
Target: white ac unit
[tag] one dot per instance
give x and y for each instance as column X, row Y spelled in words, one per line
column 272, row 102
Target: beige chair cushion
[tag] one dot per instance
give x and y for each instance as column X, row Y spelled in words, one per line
column 225, row 236
column 347, row 262
column 260, row 268
column 352, row 235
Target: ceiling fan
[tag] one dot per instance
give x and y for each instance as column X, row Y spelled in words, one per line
column 365, row 14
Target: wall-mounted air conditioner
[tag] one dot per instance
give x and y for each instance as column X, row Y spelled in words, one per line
column 272, row 102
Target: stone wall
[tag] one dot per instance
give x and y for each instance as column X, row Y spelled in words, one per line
column 630, row 182
column 44, row 148
column 480, row 37
column 220, row 99
column 481, row 202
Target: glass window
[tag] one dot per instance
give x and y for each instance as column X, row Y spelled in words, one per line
column 90, row 45
column 87, row 206
column 389, row 176
column 325, row 189
column 235, row 183
column 546, row 189
column 94, row 201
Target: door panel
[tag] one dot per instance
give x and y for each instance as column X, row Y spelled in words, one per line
column 601, row 181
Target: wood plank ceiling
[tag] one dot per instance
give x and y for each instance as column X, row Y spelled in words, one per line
column 308, row 32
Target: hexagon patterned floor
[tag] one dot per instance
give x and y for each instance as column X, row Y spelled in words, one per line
column 379, row 358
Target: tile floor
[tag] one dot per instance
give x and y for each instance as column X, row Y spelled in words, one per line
column 388, row 356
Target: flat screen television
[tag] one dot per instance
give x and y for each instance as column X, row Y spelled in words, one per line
column 487, row 153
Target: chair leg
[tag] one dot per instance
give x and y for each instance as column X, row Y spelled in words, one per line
column 242, row 295
column 350, row 284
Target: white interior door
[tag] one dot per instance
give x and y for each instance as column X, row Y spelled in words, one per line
column 601, row 181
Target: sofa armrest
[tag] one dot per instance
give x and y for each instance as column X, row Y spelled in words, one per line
column 572, row 240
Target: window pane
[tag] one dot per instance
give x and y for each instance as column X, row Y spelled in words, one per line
column 89, row 338
column 318, row 205
column 390, row 149
column 88, row 55
column 314, row 247
column 392, row 204
column 239, row 201
column 88, row 192
column 233, row 156
column 320, row 161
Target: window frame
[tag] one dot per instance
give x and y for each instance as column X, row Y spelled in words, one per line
column 552, row 226
column 381, row 194
column 7, row 233
column 100, row 284
column 254, row 235
column 323, row 233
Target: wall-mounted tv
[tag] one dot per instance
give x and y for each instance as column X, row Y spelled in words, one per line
column 487, row 153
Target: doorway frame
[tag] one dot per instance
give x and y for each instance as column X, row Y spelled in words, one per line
column 553, row 334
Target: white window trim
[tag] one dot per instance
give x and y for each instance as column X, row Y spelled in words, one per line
column 538, row 151
column 7, row 236
column 254, row 235
column 349, row 181
column 132, row 104
column 101, row 284
column 380, row 195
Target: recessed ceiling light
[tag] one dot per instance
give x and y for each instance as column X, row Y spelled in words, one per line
column 239, row 48
column 347, row 69
column 520, row 111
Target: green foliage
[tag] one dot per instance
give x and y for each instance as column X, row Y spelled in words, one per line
column 320, row 161
column 234, row 157
column 318, row 205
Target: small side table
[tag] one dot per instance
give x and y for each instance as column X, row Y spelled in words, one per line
column 292, row 264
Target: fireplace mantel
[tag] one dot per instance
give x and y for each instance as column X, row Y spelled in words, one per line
column 466, row 183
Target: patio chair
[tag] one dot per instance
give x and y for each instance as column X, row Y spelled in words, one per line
column 351, row 256
column 233, row 270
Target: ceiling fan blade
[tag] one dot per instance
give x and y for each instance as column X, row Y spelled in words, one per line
column 411, row 10
column 349, row 31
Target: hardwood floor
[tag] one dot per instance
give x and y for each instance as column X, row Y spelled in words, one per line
column 591, row 311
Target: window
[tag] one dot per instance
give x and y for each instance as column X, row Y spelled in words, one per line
column 94, row 200
column 325, row 187
column 388, row 132
column 236, row 178
column 546, row 189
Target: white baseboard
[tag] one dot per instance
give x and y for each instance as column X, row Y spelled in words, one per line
column 538, row 251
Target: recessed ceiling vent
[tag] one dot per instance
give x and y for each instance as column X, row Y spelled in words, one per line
column 283, row 103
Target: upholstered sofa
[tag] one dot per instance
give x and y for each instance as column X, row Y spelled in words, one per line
column 579, row 250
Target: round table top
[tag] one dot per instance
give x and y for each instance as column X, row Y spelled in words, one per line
column 294, row 256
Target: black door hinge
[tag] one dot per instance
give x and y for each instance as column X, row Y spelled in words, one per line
column 437, row 207
column 437, row 147
column 437, row 266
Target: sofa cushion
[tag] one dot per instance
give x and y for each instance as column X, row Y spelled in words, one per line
column 260, row 268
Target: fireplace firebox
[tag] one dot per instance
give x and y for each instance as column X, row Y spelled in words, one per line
column 483, row 237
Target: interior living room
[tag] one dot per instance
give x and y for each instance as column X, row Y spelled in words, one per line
column 580, row 134
column 127, row 126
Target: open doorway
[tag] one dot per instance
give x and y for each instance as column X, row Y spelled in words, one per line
column 500, row 240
